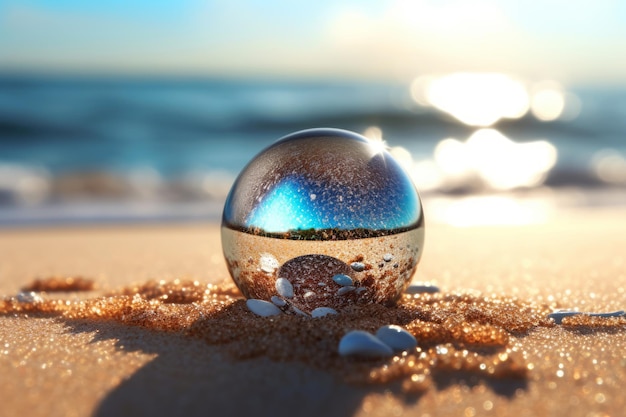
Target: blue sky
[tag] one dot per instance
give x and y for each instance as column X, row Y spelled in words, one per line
column 572, row 41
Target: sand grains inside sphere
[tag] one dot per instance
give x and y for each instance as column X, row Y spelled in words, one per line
column 456, row 333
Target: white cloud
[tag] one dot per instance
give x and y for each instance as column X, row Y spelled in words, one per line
column 427, row 36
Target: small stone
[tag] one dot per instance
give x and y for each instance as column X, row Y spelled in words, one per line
column 345, row 290
column 559, row 315
column 343, row 280
column 359, row 290
column 397, row 338
column 322, row 311
column 387, row 257
column 277, row 301
column 363, row 344
column 262, row 308
column 268, row 263
column 309, row 294
column 422, row 289
column 618, row 313
column 29, row 297
column 284, row 288
column 358, row 266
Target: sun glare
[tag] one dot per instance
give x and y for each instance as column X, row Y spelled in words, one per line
column 476, row 99
column 487, row 160
column 496, row 160
column 482, row 99
column 376, row 143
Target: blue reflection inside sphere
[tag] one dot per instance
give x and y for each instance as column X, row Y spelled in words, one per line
column 323, row 179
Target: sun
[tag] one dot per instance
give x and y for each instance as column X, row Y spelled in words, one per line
column 377, row 145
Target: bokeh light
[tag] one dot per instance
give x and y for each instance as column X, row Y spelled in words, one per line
column 486, row 160
column 548, row 101
column 609, row 166
column 476, row 99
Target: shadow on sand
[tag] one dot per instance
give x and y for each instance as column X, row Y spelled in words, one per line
column 189, row 377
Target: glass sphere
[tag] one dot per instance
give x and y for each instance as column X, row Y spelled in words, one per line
column 330, row 212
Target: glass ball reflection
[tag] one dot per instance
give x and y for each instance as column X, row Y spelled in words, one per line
column 320, row 203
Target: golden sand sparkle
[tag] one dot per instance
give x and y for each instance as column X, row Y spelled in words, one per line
column 461, row 333
column 58, row 366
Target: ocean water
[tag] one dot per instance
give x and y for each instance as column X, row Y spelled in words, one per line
column 89, row 149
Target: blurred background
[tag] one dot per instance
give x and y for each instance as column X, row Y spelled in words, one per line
column 116, row 111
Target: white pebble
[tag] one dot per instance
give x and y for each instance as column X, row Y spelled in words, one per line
column 345, row 290
column 284, row 288
column 358, row 266
column 343, row 280
column 559, row 315
column 323, row 311
column 308, row 294
column 268, row 263
column 396, row 338
column 262, row 308
column 422, row 289
column 279, row 302
column 363, row 344
column 29, row 297
column 611, row 314
column 387, row 257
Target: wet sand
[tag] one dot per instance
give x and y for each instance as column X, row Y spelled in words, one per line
column 52, row 366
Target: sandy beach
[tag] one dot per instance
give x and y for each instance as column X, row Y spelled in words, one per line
column 53, row 366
